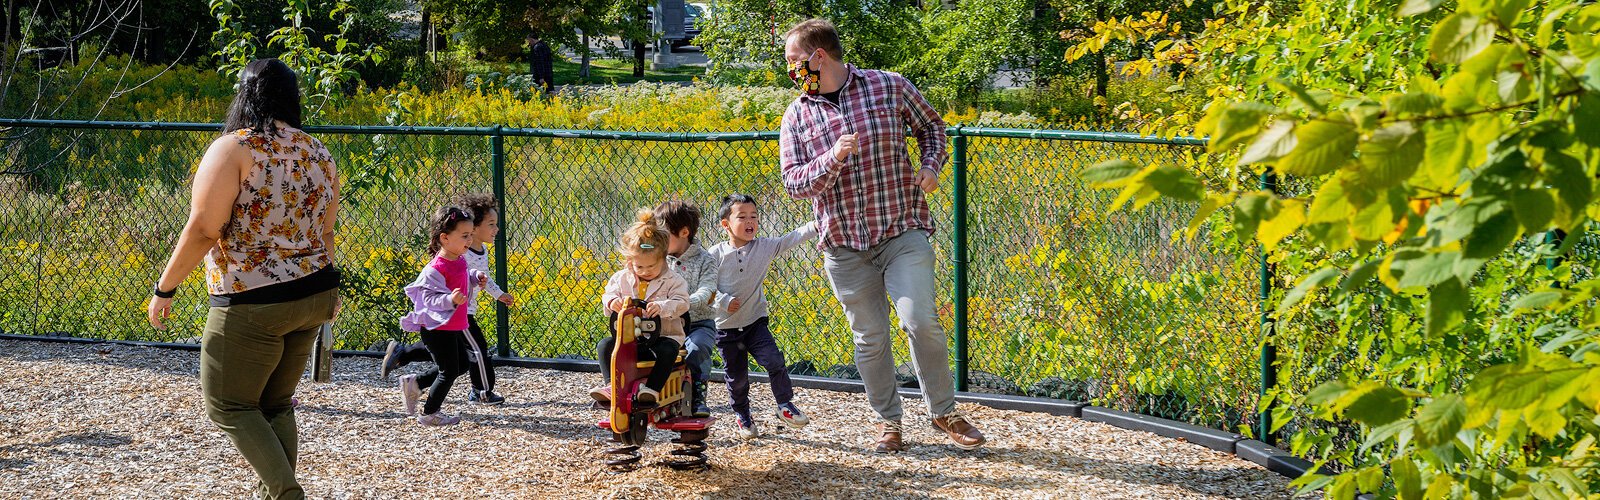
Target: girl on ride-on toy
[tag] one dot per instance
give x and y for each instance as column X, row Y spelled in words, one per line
column 645, row 276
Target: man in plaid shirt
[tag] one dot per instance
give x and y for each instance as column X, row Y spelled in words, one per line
column 843, row 146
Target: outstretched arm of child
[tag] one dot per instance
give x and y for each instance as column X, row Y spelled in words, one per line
column 797, row 236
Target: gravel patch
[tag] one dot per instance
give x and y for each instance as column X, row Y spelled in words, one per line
column 102, row 420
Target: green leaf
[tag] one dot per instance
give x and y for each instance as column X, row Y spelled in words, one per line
column 1546, row 423
column 1536, row 300
column 1248, row 211
column 1287, row 217
column 1459, row 37
column 1586, row 115
column 1506, row 387
column 1376, row 219
column 1491, row 237
column 1440, row 419
column 1533, row 208
column 1407, row 480
column 1513, row 86
column 1310, row 283
column 1446, row 154
column 1327, row 393
column 1414, row 7
column 1573, row 188
column 1360, row 275
column 1414, row 104
column 1370, row 478
column 1447, row 306
column 1271, row 145
column 1304, row 97
column 1329, row 203
column 1547, row 26
column 1417, row 268
column 1451, row 222
column 1440, row 487
column 1108, row 172
column 1386, row 432
column 1392, row 155
column 1176, row 182
column 1508, row 11
column 1379, row 406
column 1322, row 146
column 1238, row 123
column 1207, row 207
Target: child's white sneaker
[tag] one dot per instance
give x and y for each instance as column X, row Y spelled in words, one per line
column 410, row 393
column 792, row 416
column 438, row 419
column 747, row 425
column 647, row 396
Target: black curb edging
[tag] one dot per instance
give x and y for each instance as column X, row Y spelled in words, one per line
column 1273, row 458
column 1211, row 438
column 1268, row 456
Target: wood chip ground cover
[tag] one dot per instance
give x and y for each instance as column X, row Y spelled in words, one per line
column 93, row 421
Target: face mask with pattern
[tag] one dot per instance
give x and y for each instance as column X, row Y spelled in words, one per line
column 806, row 77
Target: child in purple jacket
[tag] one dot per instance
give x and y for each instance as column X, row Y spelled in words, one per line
column 439, row 314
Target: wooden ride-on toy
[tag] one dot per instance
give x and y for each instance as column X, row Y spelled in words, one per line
column 673, row 410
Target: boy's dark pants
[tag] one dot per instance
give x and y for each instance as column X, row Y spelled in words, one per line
column 754, row 340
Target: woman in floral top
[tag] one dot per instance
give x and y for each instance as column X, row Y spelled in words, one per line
column 265, row 200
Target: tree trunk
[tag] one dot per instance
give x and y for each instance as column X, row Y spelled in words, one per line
column 583, row 64
column 13, row 35
column 1102, row 77
column 639, row 60
column 425, row 39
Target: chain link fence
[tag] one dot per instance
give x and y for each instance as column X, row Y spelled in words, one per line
column 1064, row 298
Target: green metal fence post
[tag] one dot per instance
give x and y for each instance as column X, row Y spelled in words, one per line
column 1555, row 238
column 1269, row 352
column 502, row 316
column 960, row 166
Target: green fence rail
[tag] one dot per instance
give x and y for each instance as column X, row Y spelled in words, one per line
column 1048, row 292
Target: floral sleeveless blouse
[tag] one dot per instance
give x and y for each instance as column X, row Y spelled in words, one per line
column 275, row 233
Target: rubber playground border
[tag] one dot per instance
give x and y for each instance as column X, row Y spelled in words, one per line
column 1271, row 457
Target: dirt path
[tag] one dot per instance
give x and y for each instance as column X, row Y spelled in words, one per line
column 79, row 421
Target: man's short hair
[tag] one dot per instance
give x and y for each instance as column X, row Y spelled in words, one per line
column 817, row 33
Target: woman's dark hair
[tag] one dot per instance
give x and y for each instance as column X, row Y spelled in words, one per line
column 480, row 204
column 445, row 220
column 734, row 199
column 268, row 90
column 678, row 215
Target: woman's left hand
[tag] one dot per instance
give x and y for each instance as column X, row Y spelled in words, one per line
column 159, row 309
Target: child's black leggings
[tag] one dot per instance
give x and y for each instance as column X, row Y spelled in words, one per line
column 449, row 349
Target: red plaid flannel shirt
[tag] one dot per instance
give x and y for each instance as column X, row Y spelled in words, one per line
column 872, row 195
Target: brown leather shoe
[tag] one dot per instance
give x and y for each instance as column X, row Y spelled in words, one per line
column 889, row 438
column 960, row 430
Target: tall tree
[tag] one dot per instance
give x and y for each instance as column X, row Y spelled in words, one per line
column 500, row 28
column 875, row 34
